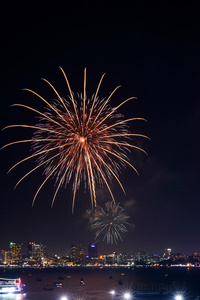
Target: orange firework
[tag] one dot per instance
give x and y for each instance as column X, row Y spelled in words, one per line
column 81, row 139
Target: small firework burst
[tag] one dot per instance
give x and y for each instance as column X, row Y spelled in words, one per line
column 79, row 139
column 109, row 223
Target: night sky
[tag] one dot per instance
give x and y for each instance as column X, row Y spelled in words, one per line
column 154, row 53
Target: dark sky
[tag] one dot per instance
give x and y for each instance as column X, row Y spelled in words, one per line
column 154, row 53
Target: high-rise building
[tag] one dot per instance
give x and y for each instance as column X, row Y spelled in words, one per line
column 15, row 250
column 119, row 258
column 115, row 258
column 123, row 258
column 109, row 259
column 29, row 249
column 36, row 251
column 167, row 253
column 77, row 254
column 92, row 250
column 196, row 256
column 141, row 257
column 5, row 256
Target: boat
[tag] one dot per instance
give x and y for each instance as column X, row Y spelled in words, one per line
column 8, row 285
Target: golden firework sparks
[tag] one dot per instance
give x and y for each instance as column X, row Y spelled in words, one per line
column 79, row 139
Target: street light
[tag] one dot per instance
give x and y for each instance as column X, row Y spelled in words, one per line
column 112, row 293
column 64, row 298
column 178, row 297
column 127, row 296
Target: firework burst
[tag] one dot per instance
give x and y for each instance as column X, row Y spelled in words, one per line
column 79, row 139
column 110, row 222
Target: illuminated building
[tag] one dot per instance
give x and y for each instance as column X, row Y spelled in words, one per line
column 116, row 257
column 196, row 256
column 123, row 258
column 92, row 250
column 5, row 256
column 155, row 258
column 29, row 249
column 2, row 255
column 167, row 253
column 141, row 257
column 15, row 250
column 109, row 259
column 77, row 254
column 119, row 258
column 36, row 251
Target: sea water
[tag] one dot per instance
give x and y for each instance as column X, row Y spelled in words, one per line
column 102, row 284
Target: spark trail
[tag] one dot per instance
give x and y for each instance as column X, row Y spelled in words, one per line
column 79, row 139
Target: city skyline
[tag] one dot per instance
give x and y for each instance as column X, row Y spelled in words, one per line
column 37, row 256
column 26, row 250
column 153, row 52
